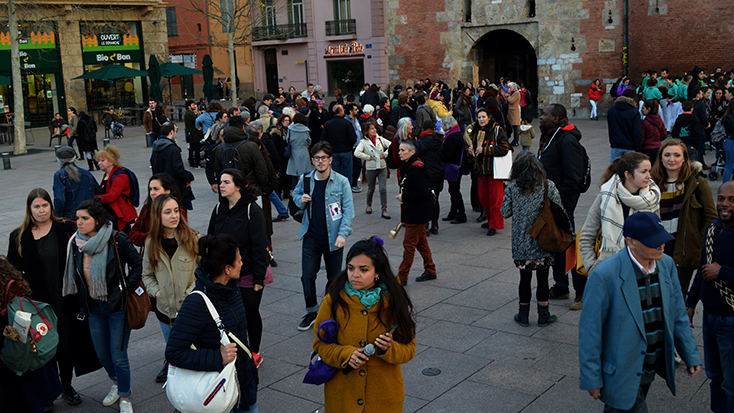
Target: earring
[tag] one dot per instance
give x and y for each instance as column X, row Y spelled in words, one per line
column 377, row 278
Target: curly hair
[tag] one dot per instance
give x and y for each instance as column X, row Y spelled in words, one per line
column 8, row 273
column 527, row 172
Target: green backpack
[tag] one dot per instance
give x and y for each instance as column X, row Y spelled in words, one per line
column 43, row 337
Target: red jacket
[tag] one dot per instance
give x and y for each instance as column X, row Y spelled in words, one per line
column 113, row 196
column 653, row 132
column 595, row 93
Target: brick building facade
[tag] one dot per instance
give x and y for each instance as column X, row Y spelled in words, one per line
column 557, row 47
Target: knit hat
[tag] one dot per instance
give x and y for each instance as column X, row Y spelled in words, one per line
column 434, row 94
column 66, row 154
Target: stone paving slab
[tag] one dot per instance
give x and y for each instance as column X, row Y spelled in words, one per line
column 465, row 326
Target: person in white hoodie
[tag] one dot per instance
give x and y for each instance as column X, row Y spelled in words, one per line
column 373, row 149
column 527, row 133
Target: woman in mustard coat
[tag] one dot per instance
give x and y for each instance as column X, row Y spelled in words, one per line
column 366, row 300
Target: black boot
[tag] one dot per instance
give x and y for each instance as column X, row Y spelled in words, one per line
column 544, row 316
column 450, row 217
column 90, row 163
column 460, row 219
column 434, row 229
column 482, row 217
column 522, row 315
column 163, row 374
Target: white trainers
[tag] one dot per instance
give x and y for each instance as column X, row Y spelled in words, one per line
column 126, row 407
column 112, row 397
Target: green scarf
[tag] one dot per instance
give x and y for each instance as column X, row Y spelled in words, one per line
column 367, row 298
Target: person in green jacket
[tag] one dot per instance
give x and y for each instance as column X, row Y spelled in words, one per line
column 651, row 90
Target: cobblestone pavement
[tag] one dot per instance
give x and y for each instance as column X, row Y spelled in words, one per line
column 465, row 327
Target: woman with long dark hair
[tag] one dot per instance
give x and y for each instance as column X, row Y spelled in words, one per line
column 239, row 215
column 169, row 262
column 595, row 92
column 158, row 184
column 38, row 250
column 94, row 271
column 194, row 341
column 370, row 306
column 524, row 197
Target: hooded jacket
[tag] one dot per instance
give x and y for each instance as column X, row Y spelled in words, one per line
column 166, row 158
column 563, row 160
column 430, row 151
column 653, row 132
column 253, row 163
column 195, row 326
column 414, row 186
column 688, row 128
column 422, row 114
column 625, row 125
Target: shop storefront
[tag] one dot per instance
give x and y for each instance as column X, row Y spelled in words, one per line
column 41, row 71
column 345, row 67
column 105, row 43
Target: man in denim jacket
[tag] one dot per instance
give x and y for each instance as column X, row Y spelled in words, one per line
column 327, row 222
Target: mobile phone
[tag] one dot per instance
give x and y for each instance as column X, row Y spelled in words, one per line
column 392, row 329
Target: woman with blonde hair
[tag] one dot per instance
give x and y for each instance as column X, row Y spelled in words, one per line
column 169, row 263
column 686, row 206
column 117, row 189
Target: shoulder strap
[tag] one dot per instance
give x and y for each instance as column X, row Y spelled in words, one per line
column 212, row 311
column 710, row 244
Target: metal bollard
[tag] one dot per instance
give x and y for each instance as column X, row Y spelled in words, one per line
column 56, row 150
column 105, row 142
column 148, row 144
column 6, row 160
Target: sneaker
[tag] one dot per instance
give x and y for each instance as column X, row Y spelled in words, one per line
column 126, row 407
column 356, row 189
column 679, row 360
column 558, row 296
column 307, row 322
column 578, row 304
column 258, row 359
column 112, row 397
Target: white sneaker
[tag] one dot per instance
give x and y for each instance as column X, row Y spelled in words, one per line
column 112, row 397
column 679, row 360
column 126, row 407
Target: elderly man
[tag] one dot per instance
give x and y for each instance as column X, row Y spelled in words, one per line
column 637, row 322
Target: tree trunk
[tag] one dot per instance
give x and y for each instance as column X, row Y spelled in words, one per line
column 19, row 146
column 232, row 65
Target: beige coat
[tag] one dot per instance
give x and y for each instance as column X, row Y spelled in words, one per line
column 513, row 112
column 367, row 150
column 173, row 278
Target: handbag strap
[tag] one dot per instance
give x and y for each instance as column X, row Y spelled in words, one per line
column 7, row 293
column 218, row 321
column 119, row 262
column 726, row 293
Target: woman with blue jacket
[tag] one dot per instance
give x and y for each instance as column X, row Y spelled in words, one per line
column 216, row 277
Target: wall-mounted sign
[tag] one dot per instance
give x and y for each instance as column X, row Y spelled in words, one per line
column 345, row 49
column 29, row 40
column 112, row 57
column 37, row 60
column 105, row 36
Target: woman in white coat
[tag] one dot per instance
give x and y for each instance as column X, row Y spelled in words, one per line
column 373, row 149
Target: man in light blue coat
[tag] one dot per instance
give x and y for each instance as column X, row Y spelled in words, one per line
column 634, row 320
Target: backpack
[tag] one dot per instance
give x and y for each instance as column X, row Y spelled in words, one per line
column 586, row 182
column 613, row 90
column 41, row 336
column 134, row 196
column 293, row 209
column 271, row 127
column 719, row 133
column 528, row 97
column 231, row 156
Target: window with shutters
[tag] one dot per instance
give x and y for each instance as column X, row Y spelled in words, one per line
column 171, row 22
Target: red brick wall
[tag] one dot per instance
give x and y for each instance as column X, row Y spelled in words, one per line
column 421, row 43
column 690, row 33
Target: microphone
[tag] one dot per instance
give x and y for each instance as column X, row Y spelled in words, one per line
column 369, row 350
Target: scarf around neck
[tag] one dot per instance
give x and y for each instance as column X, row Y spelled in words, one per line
column 97, row 248
column 613, row 194
column 368, row 298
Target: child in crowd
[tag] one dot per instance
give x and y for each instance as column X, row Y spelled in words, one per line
column 527, row 133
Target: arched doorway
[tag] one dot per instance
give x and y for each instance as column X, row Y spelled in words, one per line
column 505, row 53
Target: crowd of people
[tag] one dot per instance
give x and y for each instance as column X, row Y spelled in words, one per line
column 651, row 200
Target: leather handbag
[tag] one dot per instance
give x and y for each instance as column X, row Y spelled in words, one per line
column 549, row 229
column 580, row 268
column 138, row 303
column 191, row 391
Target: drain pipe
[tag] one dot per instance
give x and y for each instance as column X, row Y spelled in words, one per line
column 625, row 47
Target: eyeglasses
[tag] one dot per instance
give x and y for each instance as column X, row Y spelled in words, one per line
column 321, row 158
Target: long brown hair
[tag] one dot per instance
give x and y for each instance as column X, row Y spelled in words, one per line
column 625, row 163
column 660, row 174
column 29, row 222
column 7, row 273
column 184, row 235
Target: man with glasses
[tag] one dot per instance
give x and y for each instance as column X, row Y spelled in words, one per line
column 327, row 222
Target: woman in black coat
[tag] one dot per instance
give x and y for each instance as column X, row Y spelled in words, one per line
column 430, row 151
column 217, row 278
column 86, row 131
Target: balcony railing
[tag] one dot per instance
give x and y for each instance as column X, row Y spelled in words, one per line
column 279, row 32
column 339, row 27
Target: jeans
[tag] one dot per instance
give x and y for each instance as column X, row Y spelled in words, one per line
column 278, row 204
column 117, row 125
column 311, row 254
column 356, row 170
column 457, row 201
column 253, row 409
column 415, row 238
column 729, row 151
column 718, row 352
column 379, row 175
column 342, row 164
column 166, row 330
column 110, row 336
column 615, row 153
column 195, row 154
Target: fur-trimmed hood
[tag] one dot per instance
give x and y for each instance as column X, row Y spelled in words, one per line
column 625, row 99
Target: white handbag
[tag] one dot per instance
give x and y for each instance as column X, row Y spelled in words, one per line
column 192, row 391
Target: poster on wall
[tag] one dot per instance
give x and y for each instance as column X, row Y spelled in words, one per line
column 109, row 36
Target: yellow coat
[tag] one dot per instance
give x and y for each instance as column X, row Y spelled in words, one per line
column 438, row 108
column 378, row 385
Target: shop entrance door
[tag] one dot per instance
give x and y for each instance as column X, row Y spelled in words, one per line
column 39, row 98
column 271, row 70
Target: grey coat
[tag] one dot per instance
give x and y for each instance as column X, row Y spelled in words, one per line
column 299, row 136
column 525, row 208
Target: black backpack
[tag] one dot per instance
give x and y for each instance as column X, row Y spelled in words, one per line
column 231, row 156
column 293, row 209
column 586, row 182
column 528, row 98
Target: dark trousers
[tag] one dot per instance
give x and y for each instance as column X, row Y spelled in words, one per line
column 474, row 193
column 525, row 289
column 415, row 238
column 685, row 274
column 718, row 351
column 356, row 170
column 560, row 277
column 457, row 201
column 311, row 254
column 639, row 407
column 194, row 153
column 436, row 210
column 251, row 299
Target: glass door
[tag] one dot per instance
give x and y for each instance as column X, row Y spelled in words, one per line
column 38, row 92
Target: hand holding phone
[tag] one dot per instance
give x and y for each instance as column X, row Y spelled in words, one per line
column 384, row 341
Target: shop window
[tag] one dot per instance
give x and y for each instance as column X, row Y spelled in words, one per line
column 347, row 75
column 171, row 22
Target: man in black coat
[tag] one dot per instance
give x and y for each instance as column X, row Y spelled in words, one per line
column 430, row 151
column 625, row 126
column 563, row 157
column 193, row 134
column 251, row 159
column 414, row 196
column 166, row 158
column 340, row 133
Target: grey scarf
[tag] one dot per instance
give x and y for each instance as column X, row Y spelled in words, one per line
column 97, row 247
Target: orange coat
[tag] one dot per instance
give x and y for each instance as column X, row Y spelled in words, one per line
column 378, row 385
